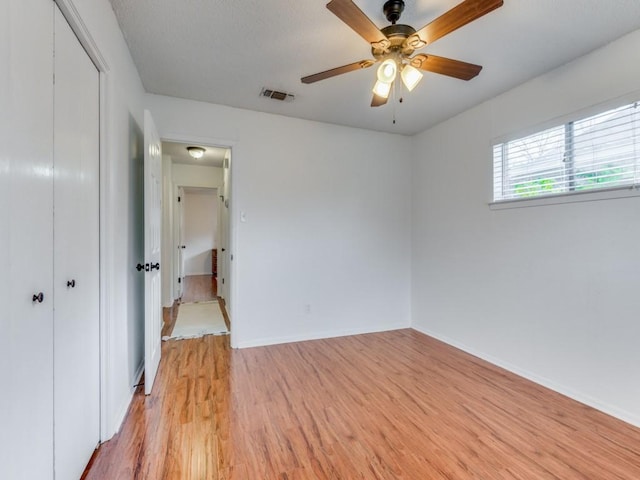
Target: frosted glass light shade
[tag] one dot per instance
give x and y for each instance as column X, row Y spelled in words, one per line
column 410, row 77
column 387, row 71
column 382, row 89
column 196, row 152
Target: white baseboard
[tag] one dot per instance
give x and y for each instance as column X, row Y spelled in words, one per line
column 262, row 342
column 545, row 382
column 126, row 403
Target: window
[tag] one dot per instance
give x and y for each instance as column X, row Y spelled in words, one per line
column 601, row 151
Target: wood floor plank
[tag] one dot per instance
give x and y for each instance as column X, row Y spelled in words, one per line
column 394, row 405
column 199, row 288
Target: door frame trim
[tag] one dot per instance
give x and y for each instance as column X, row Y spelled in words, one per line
column 231, row 145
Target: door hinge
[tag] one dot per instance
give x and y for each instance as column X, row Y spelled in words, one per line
column 178, row 199
column 179, row 280
column 223, row 280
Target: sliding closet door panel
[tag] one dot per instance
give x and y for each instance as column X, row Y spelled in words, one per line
column 76, row 255
column 26, row 195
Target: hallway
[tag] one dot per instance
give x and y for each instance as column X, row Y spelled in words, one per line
column 197, row 288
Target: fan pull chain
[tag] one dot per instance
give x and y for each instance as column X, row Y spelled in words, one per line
column 395, row 85
column 397, row 91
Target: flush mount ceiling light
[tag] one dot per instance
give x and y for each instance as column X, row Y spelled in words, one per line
column 196, row 152
column 395, row 44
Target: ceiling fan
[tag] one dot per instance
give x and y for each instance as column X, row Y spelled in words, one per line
column 395, row 44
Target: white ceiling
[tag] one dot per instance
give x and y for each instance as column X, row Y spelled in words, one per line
column 225, row 51
column 213, row 156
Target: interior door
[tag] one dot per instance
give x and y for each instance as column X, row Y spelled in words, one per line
column 219, row 237
column 76, row 361
column 26, row 239
column 152, row 234
column 225, row 235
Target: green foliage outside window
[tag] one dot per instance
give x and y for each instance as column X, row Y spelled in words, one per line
column 589, row 180
column 534, row 188
column 583, row 181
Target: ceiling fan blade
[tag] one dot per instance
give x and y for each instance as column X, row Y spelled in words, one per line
column 445, row 66
column 337, row 71
column 349, row 13
column 460, row 15
column 378, row 101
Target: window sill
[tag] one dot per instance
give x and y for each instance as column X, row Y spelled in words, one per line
column 588, row 196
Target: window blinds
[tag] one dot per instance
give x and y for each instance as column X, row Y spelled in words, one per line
column 600, row 151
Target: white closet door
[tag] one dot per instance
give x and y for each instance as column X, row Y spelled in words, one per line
column 26, row 195
column 76, row 255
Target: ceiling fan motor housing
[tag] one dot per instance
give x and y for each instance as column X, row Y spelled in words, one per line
column 396, row 35
column 393, row 9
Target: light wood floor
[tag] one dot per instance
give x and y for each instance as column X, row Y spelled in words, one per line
column 379, row 406
column 199, row 288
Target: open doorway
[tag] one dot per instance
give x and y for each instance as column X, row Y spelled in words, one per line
column 195, row 225
column 198, row 237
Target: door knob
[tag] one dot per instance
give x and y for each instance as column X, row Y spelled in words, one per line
column 38, row 297
column 71, row 283
column 155, row 266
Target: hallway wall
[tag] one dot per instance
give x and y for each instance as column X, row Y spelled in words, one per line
column 200, row 229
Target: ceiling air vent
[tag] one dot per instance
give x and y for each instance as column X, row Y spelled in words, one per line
column 276, row 95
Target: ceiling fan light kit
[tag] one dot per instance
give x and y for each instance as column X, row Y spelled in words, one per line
column 387, row 71
column 395, row 44
column 382, row 89
column 410, row 76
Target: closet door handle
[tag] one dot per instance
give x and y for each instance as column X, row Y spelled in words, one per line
column 141, row 267
column 38, row 297
column 155, row 266
column 71, row 283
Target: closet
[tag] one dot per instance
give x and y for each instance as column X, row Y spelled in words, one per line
column 49, row 245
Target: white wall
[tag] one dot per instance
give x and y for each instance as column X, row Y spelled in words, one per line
column 167, row 244
column 196, row 176
column 200, row 227
column 550, row 292
column 123, row 333
column 327, row 221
